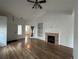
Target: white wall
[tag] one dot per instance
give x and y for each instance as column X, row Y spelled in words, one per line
column 3, row 31
column 11, row 28
column 75, row 49
column 21, row 22
column 13, row 23
column 56, row 23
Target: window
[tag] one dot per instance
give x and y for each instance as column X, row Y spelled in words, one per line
column 26, row 28
column 19, row 29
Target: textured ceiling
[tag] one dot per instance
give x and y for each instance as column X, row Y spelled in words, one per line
column 22, row 8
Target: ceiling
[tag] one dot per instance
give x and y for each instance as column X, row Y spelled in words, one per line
column 22, row 8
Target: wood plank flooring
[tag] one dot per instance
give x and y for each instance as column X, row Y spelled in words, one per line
column 34, row 49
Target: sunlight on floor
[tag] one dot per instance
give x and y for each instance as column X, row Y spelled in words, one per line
column 26, row 39
column 28, row 33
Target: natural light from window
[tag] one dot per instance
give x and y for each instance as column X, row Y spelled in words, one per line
column 19, row 29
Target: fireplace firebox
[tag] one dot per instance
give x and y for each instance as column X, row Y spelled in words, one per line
column 52, row 37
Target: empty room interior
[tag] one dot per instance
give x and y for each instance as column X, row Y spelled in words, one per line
column 37, row 29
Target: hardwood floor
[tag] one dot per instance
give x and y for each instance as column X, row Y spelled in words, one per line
column 34, row 49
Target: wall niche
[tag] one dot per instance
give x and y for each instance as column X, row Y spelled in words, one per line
column 40, row 30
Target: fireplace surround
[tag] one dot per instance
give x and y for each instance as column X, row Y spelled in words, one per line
column 52, row 37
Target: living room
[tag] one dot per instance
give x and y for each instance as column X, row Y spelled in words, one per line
column 54, row 20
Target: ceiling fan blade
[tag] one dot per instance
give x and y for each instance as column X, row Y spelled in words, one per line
column 43, row 1
column 31, row 1
column 40, row 6
column 36, row 1
column 34, row 6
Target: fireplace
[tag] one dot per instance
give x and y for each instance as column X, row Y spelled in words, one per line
column 52, row 37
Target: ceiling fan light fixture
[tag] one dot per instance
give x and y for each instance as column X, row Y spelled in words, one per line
column 37, row 3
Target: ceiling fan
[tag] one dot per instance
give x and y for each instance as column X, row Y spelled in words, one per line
column 37, row 3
